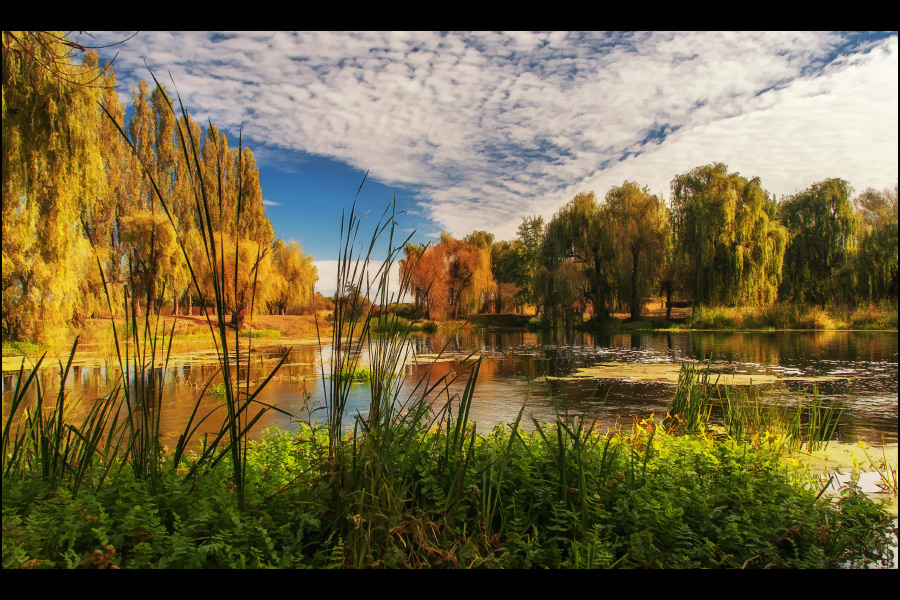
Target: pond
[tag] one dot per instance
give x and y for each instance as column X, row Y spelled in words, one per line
column 608, row 377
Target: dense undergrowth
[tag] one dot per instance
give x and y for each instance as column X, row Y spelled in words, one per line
column 554, row 498
column 436, row 493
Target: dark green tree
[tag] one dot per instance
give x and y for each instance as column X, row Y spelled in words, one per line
column 876, row 258
column 823, row 231
column 576, row 262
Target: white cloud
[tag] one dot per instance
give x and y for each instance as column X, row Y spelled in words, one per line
column 328, row 270
column 490, row 127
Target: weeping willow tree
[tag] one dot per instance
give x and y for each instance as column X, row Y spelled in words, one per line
column 474, row 259
column 637, row 222
column 728, row 237
column 575, row 266
column 294, row 277
column 52, row 168
column 823, row 236
column 877, row 252
column 256, row 285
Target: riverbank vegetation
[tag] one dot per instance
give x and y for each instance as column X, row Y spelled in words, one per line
column 420, row 490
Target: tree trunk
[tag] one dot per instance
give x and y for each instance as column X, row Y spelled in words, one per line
column 668, row 301
column 635, row 300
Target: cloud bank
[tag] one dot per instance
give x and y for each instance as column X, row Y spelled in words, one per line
column 489, row 127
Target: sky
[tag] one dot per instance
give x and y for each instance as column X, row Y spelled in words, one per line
column 475, row 130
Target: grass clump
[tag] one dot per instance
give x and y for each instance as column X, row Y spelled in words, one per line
column 782, row 315
column 261, row 333
column 13, row 348
column 386, row 324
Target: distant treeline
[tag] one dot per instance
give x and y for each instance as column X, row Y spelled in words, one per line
column 75, row 194
column 721, row 240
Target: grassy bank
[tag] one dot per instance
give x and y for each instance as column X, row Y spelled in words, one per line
column 793, row 316
column 559, row 497
column 881, row 316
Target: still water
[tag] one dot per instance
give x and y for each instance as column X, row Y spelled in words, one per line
column 857, row 370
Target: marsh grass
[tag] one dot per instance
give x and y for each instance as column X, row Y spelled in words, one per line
column 807, row 425
column 785, row 315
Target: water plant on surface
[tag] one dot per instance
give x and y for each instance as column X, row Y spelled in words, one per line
column 887, row 473
column 692, row 405
column 809, row 424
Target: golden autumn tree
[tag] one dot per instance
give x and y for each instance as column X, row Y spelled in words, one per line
column 293, row 279
column 52, row 168
column 252, row 289
column 428, row 269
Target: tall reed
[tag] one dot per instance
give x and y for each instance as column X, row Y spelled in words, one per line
column 45, row 442
column 692, row 405
column 238, row 421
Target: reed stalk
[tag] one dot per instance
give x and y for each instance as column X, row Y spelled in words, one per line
column 238, row 421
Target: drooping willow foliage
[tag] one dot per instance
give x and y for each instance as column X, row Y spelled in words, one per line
column 876, row 264
column 639, row 223
column 728, row 235
column 52, row 170
column 74, row 193
column 576, row 262
column 823, row 229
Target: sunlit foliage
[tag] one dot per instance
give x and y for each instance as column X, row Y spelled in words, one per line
column 728, row 227
column 52, row 169
column 428, row 269
column 76, row 196
column 293, row 279
column 638, row 222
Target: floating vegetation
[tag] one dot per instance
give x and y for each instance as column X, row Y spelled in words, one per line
column 669, row 373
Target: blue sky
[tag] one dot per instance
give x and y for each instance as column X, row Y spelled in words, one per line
column 476, row 130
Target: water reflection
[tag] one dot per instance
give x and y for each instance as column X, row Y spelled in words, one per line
column 514, row 369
